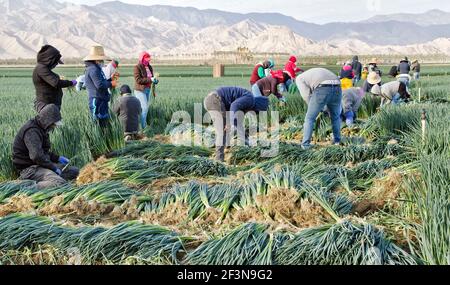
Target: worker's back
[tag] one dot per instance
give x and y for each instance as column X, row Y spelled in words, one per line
column 129, row 111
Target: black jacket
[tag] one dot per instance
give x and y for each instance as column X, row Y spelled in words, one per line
column 48, row 84
column 357, row 67
column 32, row 143
column 129, row 111
column 404, row 67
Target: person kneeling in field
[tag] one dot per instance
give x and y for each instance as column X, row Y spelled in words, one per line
column 129, row 110
column 31, row 152
column 394, row 92
column 320, row 88
column 351, row 101
column 234, row 100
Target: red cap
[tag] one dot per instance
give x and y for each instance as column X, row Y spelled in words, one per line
column 293, row 59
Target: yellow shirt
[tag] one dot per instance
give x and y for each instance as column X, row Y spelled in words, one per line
column 346, row 83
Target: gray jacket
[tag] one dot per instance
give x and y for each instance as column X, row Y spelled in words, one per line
column 129, row 110
column 390, row 89
column 309, row 80
column 351, row 100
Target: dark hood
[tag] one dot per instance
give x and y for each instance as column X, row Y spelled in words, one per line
column 49, row 56
column 49, row 115
column 355, row 58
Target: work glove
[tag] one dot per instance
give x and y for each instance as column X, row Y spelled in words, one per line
column 63, row 160
column 58, row 171
column 114, row 84
column 74, row 83
column 155, row 81
column 283, row 100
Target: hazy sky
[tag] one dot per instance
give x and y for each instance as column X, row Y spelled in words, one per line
column 317, row 11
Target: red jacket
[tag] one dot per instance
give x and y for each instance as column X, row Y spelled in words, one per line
column 255, row 76
column 292, row 68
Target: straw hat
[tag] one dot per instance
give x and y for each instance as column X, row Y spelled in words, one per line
column 373, row 60
column 96, row 53
column 373, row 78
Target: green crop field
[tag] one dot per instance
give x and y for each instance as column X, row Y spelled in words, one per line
column 380, row 198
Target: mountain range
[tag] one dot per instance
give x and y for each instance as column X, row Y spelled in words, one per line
column 125, row 30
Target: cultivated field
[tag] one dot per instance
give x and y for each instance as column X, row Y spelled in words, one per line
column 382, row 198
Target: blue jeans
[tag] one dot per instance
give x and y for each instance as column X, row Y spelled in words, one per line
column 331, row 97
column 144, row 98
column 256, row 91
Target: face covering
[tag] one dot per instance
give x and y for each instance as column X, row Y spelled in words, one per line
column 101, row 64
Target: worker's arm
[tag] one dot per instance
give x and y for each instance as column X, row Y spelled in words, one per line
column 53, row 79
column 33, row 141
column 261, row 72
column 99, row 81
column 240, row 105
column 274, row 88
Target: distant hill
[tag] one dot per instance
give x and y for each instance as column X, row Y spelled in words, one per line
column 125, row 30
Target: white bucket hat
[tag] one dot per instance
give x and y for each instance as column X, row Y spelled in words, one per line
column 97, row 53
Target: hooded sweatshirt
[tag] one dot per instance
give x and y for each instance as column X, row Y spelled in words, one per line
column 143, row 73
column 48, row 84
column 248, row 103
column 32, row 143
column 292, row 68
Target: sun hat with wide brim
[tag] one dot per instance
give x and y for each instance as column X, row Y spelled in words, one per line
column 96, row 53
column 373, row 78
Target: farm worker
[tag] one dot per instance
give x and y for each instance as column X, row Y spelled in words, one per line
column 394, row 92
column 347, row 76
column 351, row 101
column 373, row 67
column 270, row 85
column 129, row 110
column 404, row 68
column 320, row 88
column 292, row 68
column 416, row 69
column 231, row 100
column 372, row 79
column 261, row 70
column 32, row 157
column 48, row 84
column 97, row 85
column 364, row 73
column 144, row 78
column 357, row 70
